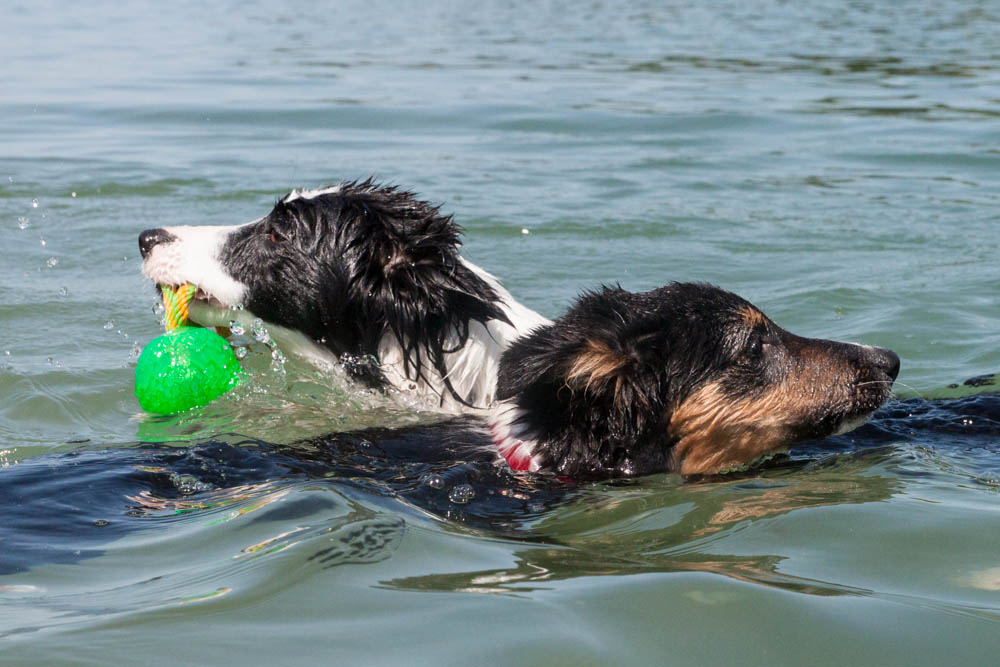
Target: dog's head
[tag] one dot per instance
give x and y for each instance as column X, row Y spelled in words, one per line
column 346, row 266
column 687, row 377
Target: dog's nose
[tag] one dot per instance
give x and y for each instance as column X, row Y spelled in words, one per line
column 153, row 237
column 887, row 361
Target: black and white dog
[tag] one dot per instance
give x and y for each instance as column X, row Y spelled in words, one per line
column 686, row 378
column 355, row 271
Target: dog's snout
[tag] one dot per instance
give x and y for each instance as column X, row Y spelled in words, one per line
column 152, row 237
column 884, row 360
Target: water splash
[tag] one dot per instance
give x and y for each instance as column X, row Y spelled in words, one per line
column 259, row 331
column 23, row 222
column 357, row 364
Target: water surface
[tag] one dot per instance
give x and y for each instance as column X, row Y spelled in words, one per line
column 835, row 163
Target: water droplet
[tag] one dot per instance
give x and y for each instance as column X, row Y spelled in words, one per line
column 278, row 356
column 258, row 331
column 462, row 494
column 525, row 230
column 51, row 261
column 241, row 352
column 277, row 367
column 41, row 239
column 72, row 194
column 6, row 353
column 109, row 325
column 23, row 222
column 433, row 480
column 134, row 353
column 63, row 291
column 34, row 203
column 158, row 308
column 237, row 327
column 51, row 361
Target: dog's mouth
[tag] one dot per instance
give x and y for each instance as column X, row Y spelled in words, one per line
column 199, row 295
column 203, row 310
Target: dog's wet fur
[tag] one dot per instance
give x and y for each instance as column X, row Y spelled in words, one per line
column 687, row 378
column 349, row 268
column 361, row 271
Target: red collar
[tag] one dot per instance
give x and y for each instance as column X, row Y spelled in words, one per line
column 511, row 450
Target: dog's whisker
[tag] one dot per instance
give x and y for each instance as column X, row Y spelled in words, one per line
column 912, row 389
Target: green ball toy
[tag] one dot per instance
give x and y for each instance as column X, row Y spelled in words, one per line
column 185, row 367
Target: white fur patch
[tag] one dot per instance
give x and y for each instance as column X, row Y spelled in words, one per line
column 193, row 257
column 850, row 424
column 472, row 370
column 511, row 443
column 311, row 194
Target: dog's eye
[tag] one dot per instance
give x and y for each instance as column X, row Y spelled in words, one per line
column 755, row 346
column 274, row 236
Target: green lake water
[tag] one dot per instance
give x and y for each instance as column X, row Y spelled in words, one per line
column 837, row 163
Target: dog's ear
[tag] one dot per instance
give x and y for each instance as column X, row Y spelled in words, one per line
column 535, row 363
column 550, row 368
column 587, row 388
column 592, row 348
column 409, row 280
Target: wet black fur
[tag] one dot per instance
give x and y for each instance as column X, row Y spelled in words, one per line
column 348, row 267
column 669, row 341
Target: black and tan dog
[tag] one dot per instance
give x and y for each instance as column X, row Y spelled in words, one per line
column 687, row 378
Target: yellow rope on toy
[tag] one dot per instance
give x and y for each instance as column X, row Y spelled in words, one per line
column 175, row 305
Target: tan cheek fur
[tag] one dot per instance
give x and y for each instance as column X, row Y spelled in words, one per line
column 716, row 433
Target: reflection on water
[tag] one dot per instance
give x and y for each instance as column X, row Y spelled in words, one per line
column 622, row 531
column 233, row 521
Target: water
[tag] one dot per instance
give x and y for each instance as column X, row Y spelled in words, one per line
column 834, row 162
